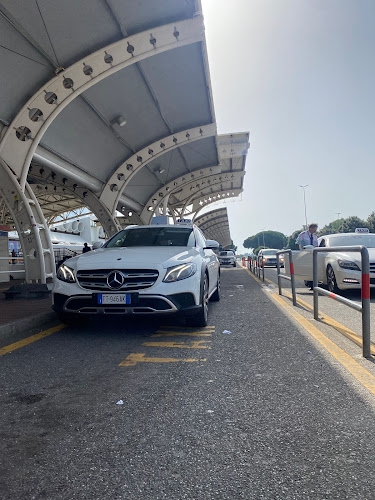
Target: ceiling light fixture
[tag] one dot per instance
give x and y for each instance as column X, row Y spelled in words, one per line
column 119, row 120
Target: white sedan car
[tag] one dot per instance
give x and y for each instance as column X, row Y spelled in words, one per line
column 337, row 270
column 156, row 269
column 227, row 258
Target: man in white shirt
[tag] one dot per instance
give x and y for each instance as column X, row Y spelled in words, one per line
column 308, row 237
column 305, row 238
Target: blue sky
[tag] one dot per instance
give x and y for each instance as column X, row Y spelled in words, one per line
column 299, row 75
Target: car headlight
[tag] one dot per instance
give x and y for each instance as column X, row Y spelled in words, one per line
column 65, row 273
column 348, row 264
column 180, row 272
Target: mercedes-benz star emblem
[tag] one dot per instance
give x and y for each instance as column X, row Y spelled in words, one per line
column 115, row 280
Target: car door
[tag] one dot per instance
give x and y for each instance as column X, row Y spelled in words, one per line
column 303, row 264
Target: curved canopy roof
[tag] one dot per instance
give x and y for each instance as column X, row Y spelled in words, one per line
column 108, row 103
column 215, row 226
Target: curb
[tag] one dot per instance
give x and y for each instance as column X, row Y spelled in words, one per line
column 37, row 321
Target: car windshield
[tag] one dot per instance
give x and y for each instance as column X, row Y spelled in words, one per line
column 153, row 236
column 346, row 240
column 269, row 252
column 226, row 254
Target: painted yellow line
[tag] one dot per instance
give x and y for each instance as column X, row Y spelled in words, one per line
column 133, row 359
column 29, row 340
column 197, row 344
column 361, row 374
column 206, row 329
column 180, row 334
column 327, row 320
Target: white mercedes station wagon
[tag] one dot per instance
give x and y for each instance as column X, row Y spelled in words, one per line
column 157, row 269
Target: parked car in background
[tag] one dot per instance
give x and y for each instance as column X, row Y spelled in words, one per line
column 227, row 258
column 337, row 270
column 157, row 269
column 267, row 257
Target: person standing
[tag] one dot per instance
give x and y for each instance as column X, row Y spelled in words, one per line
column 86, row 248
column 306, row 238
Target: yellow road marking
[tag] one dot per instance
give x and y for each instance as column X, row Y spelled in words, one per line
column 347, row 332
column 360, row 374
column 197, row 344
column 206, row 329
column 180, row 334
column 29, row 340
column 327, row 320
column 133, row 359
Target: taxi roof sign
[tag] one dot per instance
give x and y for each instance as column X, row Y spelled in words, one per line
column 362, row 230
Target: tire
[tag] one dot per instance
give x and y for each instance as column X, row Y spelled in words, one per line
column 215, row 297
column 234, row 264
column 201, row 316
column 331, row 280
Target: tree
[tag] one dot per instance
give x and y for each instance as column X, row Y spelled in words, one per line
column 371, row 222
column 351, row 223
column 231, row 246
column 271, row 239
column 291, row 241
column 333, row 227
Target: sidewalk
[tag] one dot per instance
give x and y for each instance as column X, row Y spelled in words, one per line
column 17, row 315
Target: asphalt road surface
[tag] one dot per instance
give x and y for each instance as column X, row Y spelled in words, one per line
column 248, row 408
column 347, row 316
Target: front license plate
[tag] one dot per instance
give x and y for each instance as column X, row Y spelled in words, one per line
column 114, row 298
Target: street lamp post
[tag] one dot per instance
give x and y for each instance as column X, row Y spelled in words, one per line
column 304, row 201
column 338, row 218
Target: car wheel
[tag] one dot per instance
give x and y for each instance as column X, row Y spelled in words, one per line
column 331, row 280
column 234, row 264
column 201, row 316
column 215, row 297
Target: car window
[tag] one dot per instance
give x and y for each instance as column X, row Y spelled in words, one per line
column 201, row 241
column 345, row 240
column 153, row 236
column 269, row 252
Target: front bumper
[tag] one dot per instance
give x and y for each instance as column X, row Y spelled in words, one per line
column 351, row 280
column 140, row 304
column 161, row 298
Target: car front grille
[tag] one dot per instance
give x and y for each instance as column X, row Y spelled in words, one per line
column 134, row 279
column 372, row 267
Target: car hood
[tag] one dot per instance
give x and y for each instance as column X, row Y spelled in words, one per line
column 133, row 257
column 354, row 256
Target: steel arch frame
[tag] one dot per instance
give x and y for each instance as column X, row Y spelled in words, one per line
column 129, row 168
column 24, row 134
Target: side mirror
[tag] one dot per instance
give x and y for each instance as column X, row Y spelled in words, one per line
column 97, row 244
column 211, row 245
